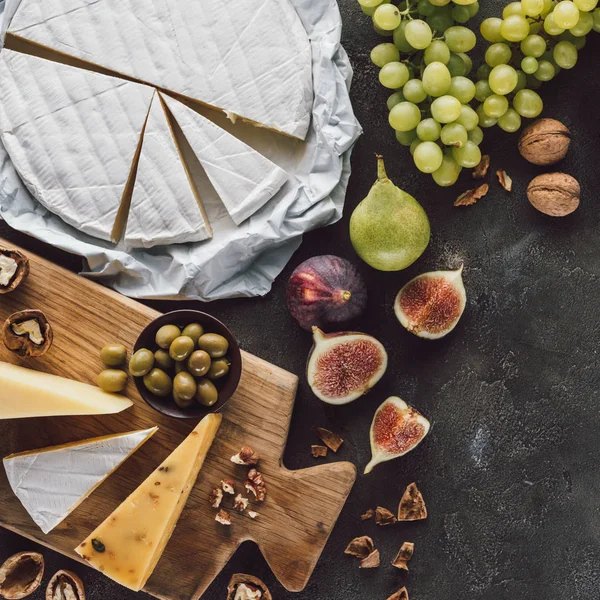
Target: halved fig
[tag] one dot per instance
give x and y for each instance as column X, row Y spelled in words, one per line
column 396, row 430
column 344, row 366
column 430, row 305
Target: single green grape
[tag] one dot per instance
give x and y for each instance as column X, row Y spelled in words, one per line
column 387, row 17
column 529, row 65
column 584, row 25
column 503, row 79
column 566, row 14
column 485, row 121
column 382, row 32
column 476, row 135
column 428, row 157
column 460, row 39
column 456, row 65
column 384, row 53
column 482, row 90
column 418, row 34
column 394, row 75
column 370, row 3
column 445, row 109
column 473, row 7
column 533, row 83
column 399, row 37
column 437, row 51
column 550, row 25
column 448, row 172
column 521, row 81
column 510, row 121
column 441, row 20
column 565, row 55
column 406, row 138
column 533, row 45
column 413, row 146
column 490, row 29
column 462, row 88
column 468, row 118
column 498, row 54
column 468, row 62
column 514, row 8
column 545, row 71
column 536, row 26
column 404, row 116
column 394, row 99
column 436, row 79
column 532, row 8
column 483, row 72
column 469, row 156
column 528, row 104
column 596, row 17
column 429, row 130
column 495, row 106
column 586, row 5
column 461, row 14
column 413, row 91
column 515, row 28
column 454, row 134
column 425, row 8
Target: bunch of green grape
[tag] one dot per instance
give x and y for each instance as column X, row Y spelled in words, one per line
column 529, row 45
column 427, row 65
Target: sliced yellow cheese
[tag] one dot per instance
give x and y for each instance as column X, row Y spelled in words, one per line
column 129, row 543
column 28, row 393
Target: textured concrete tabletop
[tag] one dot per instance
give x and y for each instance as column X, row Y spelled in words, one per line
column 510, row 469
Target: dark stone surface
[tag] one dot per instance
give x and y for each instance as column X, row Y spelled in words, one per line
column 510, row 469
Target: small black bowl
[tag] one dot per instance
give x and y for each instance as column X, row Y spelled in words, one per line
column 226, row 387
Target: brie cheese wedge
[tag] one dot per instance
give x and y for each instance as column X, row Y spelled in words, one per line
column 250, row 58
column 243, row 178
column 73, row 136
column 165, row 207
column 52, row 482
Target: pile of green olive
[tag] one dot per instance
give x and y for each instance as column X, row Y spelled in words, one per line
column 185, row 366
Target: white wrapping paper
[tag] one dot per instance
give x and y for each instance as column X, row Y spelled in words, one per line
column 239, row 260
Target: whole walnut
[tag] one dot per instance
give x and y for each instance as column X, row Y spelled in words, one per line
column 554, row 194
column 544, row 142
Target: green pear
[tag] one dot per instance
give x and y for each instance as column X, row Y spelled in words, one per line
column 389, row 229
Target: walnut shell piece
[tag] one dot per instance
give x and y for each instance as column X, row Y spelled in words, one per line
column 384, row 517
column 65, row 585
column 27, row 333
column 14, row 268
column 21, row 575
column 412, row 506
column 360, row 547
column 245, row 587
column 544, row 142
column 554, row 194
column 404, row 555
column 371, row 562
column 401, row 594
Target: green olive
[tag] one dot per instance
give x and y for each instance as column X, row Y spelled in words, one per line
column 158, row 382
column 180, row 367
column 184, row 385
column 113, row 355
column 181, row 348
column 206, row 394
column 165, row 336
column 112, row 380
column 198, row 363
column 163, row 360
column 213, row 343
column 219, row 368
column 183, row 402
column 141, row 362
column 194, row 331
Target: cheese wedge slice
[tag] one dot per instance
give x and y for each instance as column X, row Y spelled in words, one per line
column 128, row 544
column 72, row 135
column 28, row 393
column 250, row 58
column 165, row 207
column 52, row 482
column 244, row 179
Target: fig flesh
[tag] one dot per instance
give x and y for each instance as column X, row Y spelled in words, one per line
column 430, row 305
column 344, row 366
column 326, row 291
column 397, row 429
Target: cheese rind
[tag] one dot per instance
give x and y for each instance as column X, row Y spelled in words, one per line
column 52, row 482
column 250, row 58
column 28, row 393
column 244, row 179
column 72, row 135
column 165, row 208
column 128, row 544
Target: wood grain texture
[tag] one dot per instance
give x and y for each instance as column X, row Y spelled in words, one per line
column 301, row 508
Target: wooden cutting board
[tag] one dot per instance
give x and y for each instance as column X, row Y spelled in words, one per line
column 302, row 506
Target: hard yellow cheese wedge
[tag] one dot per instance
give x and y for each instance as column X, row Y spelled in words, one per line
column 129, row 543
column 28, row 393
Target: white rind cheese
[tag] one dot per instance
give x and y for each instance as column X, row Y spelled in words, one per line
column 244, row 179
column 250, row 58
column 72, row 135
column 52, row 482
column 165, row 208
